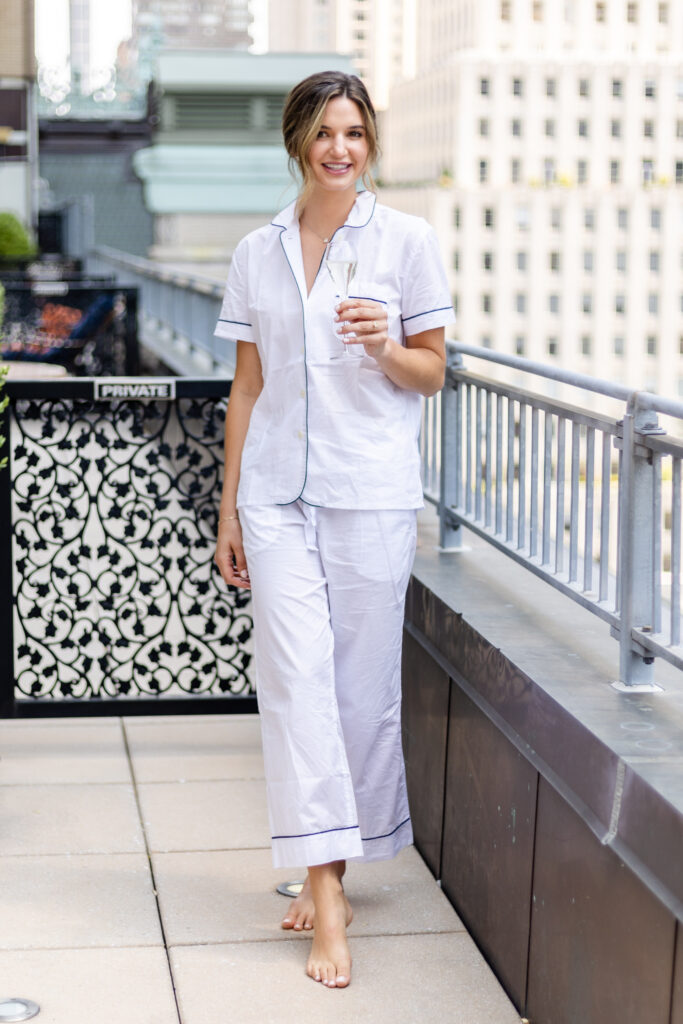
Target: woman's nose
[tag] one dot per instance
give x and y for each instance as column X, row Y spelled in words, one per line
column 338, row 144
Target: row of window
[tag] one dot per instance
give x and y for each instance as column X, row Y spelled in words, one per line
column 523, row 218
column 518, row 85
column 632, row 11
column 550, row 175
column 585, row 303
column 583, row 128
column 521, row 260
column 651, row 345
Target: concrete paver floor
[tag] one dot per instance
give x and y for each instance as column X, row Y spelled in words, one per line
column 136, row 885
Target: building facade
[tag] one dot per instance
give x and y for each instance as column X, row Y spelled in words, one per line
column 555, row 132
column 205, row 24
column 18, row 121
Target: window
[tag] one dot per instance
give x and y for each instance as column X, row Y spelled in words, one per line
column 522, row 217
column 585, row 344
column 587, row 303
column 517, row 87
column 520, row 302
column 582, row 172
column 679, row 128
column 653, row 304
column 554, row 304
column 554, row 260
column 654, row 261
column 549, row 170
column 582, row 128
column 584, row 87
column 649, row 129
column 678, row 171
column 556, row 218
column 549, row 127
column 486, row 304
column 620, row 304
column 600, row 11
column 485, row 341
column 588, row 261
column 483, row 172
column 553, row 346
column 515, row 171
column 663, row 14
column 679, row 88
column 484, row 87
column 456, row 217
column 537, row 10
column 487, row 260
column 505, row 10
column 618, row 345
column 648, row 171
column 456, row 260
column 655, row 218
column 650, row 89
column 521, row 260
column 456, row 304
column 680, row 344
column 615, row 128
column 488, row 217
column 617, row 88
column 614, row 172
column 516, row 127
column 620, row 261
column 632, row 13
column 622, row 218
column 651, row 345
column 550, row 87
column 484, row 126
column 589, row 218
column 519, row 345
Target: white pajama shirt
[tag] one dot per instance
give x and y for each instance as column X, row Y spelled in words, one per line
column 328, row 492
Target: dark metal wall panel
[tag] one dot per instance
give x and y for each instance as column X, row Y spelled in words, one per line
column 677, row 995
column 425, row 725
column 601, row 945
column 488, row 839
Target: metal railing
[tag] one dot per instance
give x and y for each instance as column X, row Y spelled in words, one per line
column 588, row 502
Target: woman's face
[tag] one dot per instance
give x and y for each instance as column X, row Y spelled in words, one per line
column 339, row 155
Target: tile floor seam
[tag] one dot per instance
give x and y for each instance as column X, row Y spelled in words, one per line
column 306, row 935
column 151, row 870
column 77, row 949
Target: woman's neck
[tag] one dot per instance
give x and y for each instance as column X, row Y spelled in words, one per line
column 324, row 213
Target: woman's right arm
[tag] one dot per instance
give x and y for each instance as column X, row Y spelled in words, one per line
column 246, row 387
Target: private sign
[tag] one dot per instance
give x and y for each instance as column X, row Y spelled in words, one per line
column 111, row 390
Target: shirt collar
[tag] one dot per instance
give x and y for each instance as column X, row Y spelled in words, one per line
column 360, row 214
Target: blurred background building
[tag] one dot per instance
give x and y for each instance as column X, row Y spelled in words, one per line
column 18, row 135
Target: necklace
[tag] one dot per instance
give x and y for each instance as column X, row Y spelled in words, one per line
column 326, row 241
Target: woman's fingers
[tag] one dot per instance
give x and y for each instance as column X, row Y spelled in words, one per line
column 230, row 559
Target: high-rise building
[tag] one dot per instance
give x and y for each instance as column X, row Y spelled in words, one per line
column 79, row 44
column 545, row 142
column 186, row 24
column 379, row 36
column 18, row 121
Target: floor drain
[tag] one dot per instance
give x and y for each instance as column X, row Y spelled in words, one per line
column 285, row 889
column 18, row 1009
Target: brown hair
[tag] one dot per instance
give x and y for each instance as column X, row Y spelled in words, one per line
column 303, row 114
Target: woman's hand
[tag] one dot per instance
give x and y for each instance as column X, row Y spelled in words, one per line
column 229, row 556
column 363, row 322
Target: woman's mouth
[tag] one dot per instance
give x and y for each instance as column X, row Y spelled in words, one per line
column 337, row 168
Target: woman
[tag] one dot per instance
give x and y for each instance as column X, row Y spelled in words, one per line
column 318, row 513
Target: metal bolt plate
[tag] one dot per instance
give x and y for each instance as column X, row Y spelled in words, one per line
column 18, row 1009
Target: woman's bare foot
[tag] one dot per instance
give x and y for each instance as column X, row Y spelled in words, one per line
column 301, row 914
column 330, row 959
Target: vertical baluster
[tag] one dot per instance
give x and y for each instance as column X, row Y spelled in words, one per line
column 521, row 494
column 533, row 495
column 510, row 472
column 590, row 491
column 468, row 481
column 433, row 452
column 656, row 614
column 559, row 506
column 459, row 441
column 489, row 456
column 499, row 463
column 477, row 455
column 547, row 480
column 676, row 553
column 574, row 504
column 604, row 514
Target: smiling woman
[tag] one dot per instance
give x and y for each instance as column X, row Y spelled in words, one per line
column 321, row 487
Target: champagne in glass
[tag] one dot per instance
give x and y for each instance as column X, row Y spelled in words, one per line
column 340, row 260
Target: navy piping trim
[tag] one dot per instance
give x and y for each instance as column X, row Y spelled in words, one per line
column 303, row 324
column 242, row 323
column 370, row 297
column 305, row 835
column 275, row 224
column 439, row 309
column 387, row 834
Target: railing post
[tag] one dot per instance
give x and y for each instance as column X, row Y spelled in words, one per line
column 635, row 556
column 450, row 532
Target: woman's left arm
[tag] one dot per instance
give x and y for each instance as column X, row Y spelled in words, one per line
column 419, row 366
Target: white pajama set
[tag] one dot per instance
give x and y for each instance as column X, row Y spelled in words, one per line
column 328, row 492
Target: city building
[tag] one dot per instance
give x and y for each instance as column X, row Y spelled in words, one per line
column 379, row 36
column 545, row 142
column 18, row 123
column 215, row 24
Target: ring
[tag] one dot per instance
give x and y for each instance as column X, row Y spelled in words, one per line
column 374, row 325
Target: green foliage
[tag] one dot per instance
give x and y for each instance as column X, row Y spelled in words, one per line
column 14, row 238
column 4, row 402
column 2, row 306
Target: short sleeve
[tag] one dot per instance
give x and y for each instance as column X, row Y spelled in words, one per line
column 426, row 302
column 234, row 321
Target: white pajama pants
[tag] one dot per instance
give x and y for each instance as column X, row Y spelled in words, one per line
column 328, row 592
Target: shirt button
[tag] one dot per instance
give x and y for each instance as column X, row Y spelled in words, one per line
column 302, row 393
column 300, row 434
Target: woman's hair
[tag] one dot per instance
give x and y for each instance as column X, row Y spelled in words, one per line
column 303, row 115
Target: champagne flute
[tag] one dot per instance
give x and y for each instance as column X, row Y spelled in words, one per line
column 340, row 260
